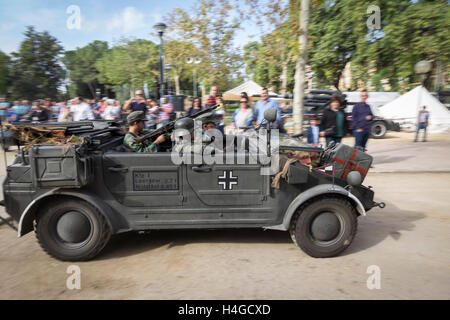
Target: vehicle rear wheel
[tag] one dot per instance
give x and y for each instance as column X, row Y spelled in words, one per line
column 378, row 129
column 72, row 230
column 324, row 227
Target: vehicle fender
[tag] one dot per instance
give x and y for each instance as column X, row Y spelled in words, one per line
column 116, row 222
column 314, row 192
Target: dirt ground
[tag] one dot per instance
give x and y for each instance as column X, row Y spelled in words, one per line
column 408, row 241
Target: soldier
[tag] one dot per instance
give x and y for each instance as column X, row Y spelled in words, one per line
column 189, row 145
column 136, row 121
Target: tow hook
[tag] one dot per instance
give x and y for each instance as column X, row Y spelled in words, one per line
column 379, row 204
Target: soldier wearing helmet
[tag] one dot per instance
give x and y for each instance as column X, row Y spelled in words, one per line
column 186, row 143
column 136, row 121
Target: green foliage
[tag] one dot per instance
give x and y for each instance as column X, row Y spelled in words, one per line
column 411, row 32
column 131, row 62
column 81, row 65
column 210, row 27
column 5, row 61
column 36, row 71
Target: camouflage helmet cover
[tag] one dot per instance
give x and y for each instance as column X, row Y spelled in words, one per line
column 136, row 116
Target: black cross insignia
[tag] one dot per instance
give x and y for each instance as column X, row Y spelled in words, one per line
column 227, row 180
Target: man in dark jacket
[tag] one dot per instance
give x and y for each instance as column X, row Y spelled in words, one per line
column 38, row 113
column 333, row 125
column 362, row 118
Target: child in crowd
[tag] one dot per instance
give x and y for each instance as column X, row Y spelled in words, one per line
column 313, row 130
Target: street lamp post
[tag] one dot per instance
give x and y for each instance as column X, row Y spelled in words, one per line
column 194, row 60
column 161, row 27
column 168, row 68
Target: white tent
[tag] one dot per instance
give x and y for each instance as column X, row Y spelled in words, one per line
column 375, row 100
column 405, row 109
column 250, row 87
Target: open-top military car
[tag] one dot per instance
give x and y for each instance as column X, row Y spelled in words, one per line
column 76, row 195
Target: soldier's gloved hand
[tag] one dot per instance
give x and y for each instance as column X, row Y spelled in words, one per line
column 160, row 139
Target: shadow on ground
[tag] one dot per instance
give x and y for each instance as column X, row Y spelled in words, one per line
column 388, row 159
column 380, row 224
column 372, row 230
column 132, row 243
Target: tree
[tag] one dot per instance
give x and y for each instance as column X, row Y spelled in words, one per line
column 410, row 32
column 81, row 65
column 300, row 77
column 211, row 28
column 131, row 62
column 177, row 53
column 36, row 70
column 5, row 61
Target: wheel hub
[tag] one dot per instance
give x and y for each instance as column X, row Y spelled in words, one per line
column 73, row 226
column 325, row 226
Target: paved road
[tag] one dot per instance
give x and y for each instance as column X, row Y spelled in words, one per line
column 408, row 241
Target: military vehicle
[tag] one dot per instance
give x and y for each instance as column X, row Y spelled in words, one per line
column 75, row 196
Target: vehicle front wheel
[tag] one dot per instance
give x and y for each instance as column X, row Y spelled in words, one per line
column 324, row 227
column 71, row 230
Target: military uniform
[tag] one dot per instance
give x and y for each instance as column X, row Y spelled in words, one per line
column 130, row 142
column 131, row 145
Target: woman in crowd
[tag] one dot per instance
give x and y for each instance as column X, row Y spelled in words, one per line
column 220, row 113
column 152, row 114
column 242, row 117
column 165, row 112
column 112, row 110
column 196, row 107
column 333, row 125
column 64, row 112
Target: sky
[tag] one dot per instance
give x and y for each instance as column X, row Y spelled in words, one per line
column 106, row 20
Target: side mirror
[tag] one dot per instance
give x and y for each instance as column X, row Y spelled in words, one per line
column 270, row 115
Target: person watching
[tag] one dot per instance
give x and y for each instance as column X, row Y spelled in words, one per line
column 333, row 125
column 138, row 103
column 362, row 117
column 212, row 97
column 264, row 104
column 80, row 110
column 196, row 107
column 243, row 116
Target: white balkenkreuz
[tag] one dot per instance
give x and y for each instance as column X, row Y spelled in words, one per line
column 227, row 180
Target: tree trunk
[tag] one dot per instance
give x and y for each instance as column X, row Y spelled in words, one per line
column 92, row 90
column 300, row 76
column 284, row 79
column 176, row 77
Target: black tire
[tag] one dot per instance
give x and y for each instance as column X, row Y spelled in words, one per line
column 378, row 129
column 91, row 228
column 303, row 221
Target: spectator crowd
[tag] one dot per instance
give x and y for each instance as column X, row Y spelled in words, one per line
column 77, row 109
column 332, row 126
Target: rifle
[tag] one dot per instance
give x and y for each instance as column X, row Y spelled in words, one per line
column 169, row 127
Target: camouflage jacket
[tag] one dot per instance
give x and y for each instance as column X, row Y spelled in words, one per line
column 131, row 145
